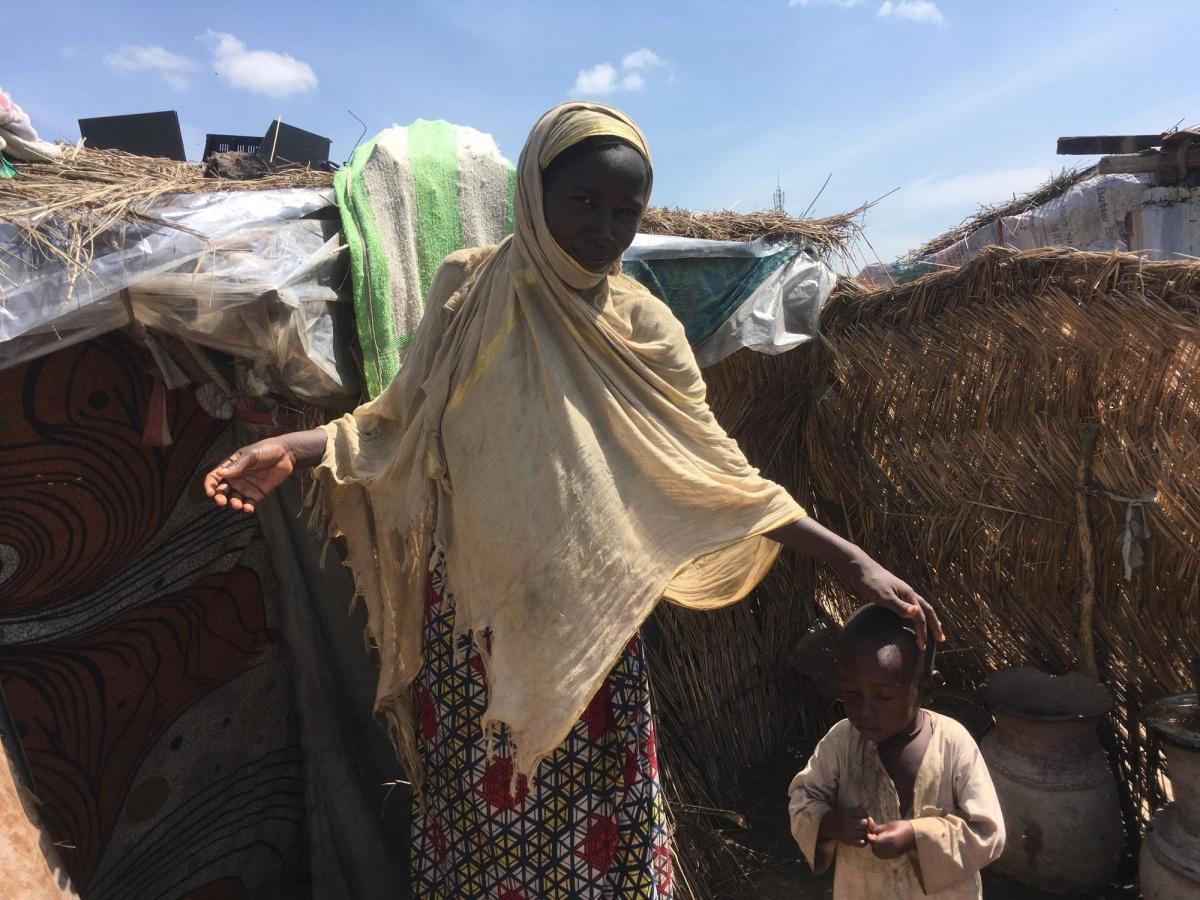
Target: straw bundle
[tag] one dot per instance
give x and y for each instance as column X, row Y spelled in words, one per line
column 64, row 207
column 831, row 235
column 941, row 426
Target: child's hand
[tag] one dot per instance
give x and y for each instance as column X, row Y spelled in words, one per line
column 892, row 839
column 848, row 825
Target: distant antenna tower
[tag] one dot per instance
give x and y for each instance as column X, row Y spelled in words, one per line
column 778, row 196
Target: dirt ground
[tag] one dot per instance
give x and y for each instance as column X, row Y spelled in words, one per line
column 761, row 861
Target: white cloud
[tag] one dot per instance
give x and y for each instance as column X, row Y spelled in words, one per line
column 259, row 71
column 642, row 59
column 596, row 81
column 174, row 68
column 844, row 4
column 604, row 78
column 912, row 10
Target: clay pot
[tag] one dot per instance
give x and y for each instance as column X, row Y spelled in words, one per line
column 1169, row 865
column 966, row 709
column 1061, row 809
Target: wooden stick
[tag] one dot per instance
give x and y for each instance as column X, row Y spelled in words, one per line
column 1087, row 552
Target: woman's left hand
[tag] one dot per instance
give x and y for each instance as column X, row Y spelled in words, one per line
column 875, row 584
column 867, row 578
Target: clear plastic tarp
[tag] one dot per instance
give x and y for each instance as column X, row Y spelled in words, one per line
column 257, row 274
column 261, row 275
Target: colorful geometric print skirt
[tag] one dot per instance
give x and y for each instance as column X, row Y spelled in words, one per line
column 593, row 823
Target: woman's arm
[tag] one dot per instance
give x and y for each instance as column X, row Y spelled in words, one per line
column 251, row 473
column 859, row 572
column 246, row 477
column 306, row 447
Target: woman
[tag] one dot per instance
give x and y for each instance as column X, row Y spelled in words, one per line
column 547, row 451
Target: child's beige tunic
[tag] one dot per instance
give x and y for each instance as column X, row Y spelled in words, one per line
column 955, row 815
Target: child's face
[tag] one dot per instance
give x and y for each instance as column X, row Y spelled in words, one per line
column 879, row 689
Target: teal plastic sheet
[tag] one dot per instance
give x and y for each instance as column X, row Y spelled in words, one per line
column 764, row 296
column 704, row 282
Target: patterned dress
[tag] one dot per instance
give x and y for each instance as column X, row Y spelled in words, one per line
column 592, row 824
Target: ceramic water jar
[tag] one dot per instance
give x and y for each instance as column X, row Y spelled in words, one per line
column 1062, row 812
column 1169, row 865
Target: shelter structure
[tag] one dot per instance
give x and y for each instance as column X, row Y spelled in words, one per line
column 156, row 316
column 1014, row 429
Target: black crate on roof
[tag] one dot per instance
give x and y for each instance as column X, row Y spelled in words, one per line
column 144, row 134
column 284, row 143
column 226, row 143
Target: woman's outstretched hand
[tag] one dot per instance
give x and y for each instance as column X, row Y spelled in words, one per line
column 861, row 574
column 245, row 479
column 875, row 584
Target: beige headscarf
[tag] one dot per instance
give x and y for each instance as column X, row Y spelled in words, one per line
column 549, row 434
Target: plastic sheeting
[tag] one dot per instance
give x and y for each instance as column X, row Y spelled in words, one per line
column 782, row 313
column 261, row 275
column 255, row 275
column 1101, row 214
column 766, row 296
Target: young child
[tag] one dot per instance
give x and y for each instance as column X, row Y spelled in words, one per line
column 897, row 794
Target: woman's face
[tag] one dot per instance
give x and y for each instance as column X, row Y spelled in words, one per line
column 593, row 203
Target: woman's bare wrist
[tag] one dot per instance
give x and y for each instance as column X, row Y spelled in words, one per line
column 305, row 447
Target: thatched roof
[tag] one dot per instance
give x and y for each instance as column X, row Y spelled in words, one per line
column 832, row 234
column 1056, row 186
column 63, row 206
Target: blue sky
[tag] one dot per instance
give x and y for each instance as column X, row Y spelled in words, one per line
column 954, row 102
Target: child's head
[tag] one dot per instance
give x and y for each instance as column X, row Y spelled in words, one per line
column 882, row 677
